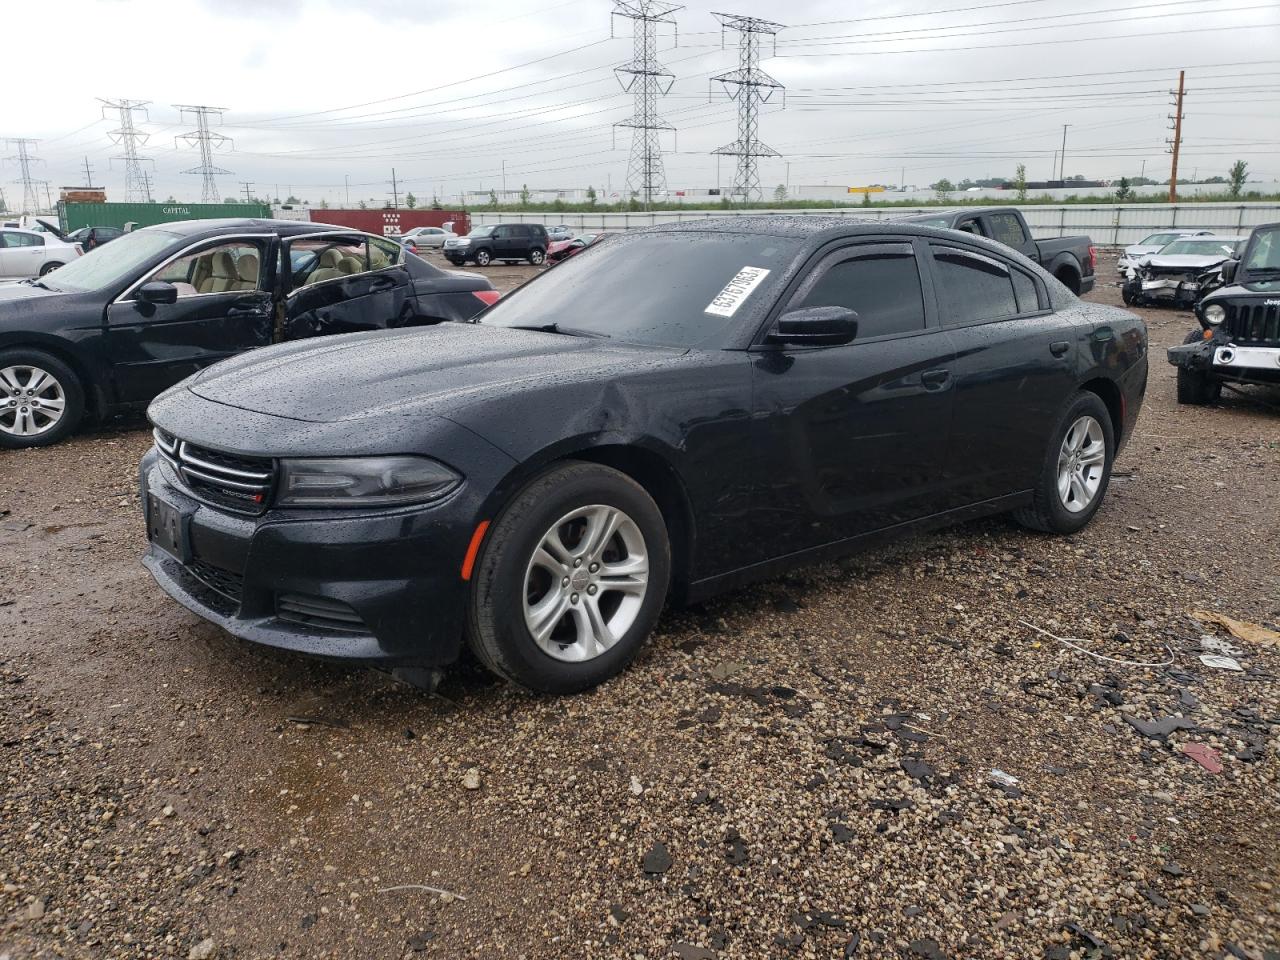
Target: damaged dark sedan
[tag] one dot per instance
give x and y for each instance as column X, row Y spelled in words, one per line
column 124, row 322
column 538, row 484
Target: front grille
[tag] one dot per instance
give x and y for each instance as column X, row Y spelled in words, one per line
column 1248, row 322
column 319, row 612
column 229, row 480
column 222, row 582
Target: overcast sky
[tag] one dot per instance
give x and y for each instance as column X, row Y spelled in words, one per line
column 318, row 91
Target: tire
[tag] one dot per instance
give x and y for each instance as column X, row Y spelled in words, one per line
column 1069, row 279
column 48, row 268
column 1052, row 512
column 1195, row 387
column 537, row 255
column 482, row 258
column 508, row 586
column 26, row 424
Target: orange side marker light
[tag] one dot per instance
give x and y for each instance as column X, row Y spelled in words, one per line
column 469, row 561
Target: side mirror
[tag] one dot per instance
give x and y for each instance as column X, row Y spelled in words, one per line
column 157, row 292
column 1228, row 269
column 816, row 326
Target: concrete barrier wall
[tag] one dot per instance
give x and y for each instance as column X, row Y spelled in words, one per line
column 1106, row 224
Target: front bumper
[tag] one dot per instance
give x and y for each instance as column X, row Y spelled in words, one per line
column 379, row 588
column 1228, row 361
column 1163, row 290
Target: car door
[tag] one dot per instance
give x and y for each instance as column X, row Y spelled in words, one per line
column 853, row 438
column 1013, row 371
column 503, row 240
column 22, row 254
column 344, row 282
column 225, row 305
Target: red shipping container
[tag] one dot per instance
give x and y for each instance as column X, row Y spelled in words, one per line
column 393, row 223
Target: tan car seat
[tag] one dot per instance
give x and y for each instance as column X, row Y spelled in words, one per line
column 327, row 268
column 224, row 274
column 349, row 265
column 247, row 271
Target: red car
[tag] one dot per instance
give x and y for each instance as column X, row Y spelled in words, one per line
column 564, row 249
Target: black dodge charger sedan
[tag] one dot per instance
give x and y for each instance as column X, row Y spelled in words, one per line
column 671, row 414
column 124, row 322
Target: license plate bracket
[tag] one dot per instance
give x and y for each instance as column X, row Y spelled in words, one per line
column 169, row 528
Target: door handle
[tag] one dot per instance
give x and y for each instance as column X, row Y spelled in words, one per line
column 1059, row 347
column 249, row 311
column 935, row 379
column 382, row 283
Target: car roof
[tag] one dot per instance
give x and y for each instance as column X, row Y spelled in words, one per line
column 193, row 228
column 813, row 228
column 1211, row 238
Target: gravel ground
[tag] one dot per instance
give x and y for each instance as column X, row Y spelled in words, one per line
column 802, row 769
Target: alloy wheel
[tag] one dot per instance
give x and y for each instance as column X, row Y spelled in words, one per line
column 32, row 401
column 1081, row 462
column 585, row 583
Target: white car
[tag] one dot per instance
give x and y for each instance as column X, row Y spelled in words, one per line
column 422, row 237
column 1131, row 254
column 32, row 253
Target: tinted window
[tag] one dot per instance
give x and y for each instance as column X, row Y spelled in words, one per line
column 1025, row 288
column 883, row 290
column 971, row 226
column 973, row 288
column 694, row 269
column 1006, row 228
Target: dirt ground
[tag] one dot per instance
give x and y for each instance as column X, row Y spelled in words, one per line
column 800, row 769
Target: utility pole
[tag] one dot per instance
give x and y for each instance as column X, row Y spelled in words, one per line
column 646, row 79
column 1177, row 135
column 1062, row 157
column 88, row 174
column 395, row 191
column 504, row 181
column 750, row 86
column 207, row 141
column 346, row 186
column 128, row 137
column 30, row 185
column 248, row 190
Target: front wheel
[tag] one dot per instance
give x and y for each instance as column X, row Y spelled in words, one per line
column 570, row 580
column 41, row 399
column 48, row 268
column 1076, row 469
column 482, row 258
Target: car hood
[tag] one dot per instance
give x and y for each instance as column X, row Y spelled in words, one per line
column 1187, row 260
column 1269, row 290
column 426, row 371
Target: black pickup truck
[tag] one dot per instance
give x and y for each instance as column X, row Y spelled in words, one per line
column 1070, row 259
column 1238, row 340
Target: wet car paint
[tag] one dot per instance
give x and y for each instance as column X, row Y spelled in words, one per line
column 760, row 455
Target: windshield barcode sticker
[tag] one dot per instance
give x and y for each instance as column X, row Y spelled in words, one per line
column 736, row 291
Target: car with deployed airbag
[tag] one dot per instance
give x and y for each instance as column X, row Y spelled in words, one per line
column 110, row 330
column 535, row 485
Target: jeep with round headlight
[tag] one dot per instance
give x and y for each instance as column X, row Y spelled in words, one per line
column 1238, row 340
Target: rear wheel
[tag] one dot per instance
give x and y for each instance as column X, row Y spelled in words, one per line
column 1195, row 387
column 1076, row 468
column 482, row 258
column 1069, row 279
column 49, row 268
column 536, row 256
column 570, row 580
column 41, row 399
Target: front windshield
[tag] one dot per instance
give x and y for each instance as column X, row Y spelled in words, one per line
column 110, row 263
column 1159, row 239
column 1264, row 254
column 665, row 289
column 1200, row 248
column 480, row 232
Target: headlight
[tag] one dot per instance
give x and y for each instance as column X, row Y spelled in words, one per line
column 1215, row 313
column 363, row 481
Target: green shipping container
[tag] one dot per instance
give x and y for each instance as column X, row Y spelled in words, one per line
column 76, row 215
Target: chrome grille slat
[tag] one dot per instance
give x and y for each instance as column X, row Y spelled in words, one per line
column 228, row 480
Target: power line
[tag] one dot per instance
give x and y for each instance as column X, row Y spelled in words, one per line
column 648, row 81
column 207, row 141
column 128, row 137
column 750, row 86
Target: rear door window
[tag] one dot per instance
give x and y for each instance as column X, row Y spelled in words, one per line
column 1007, row 229
column 882, row 287
column 973, row 288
